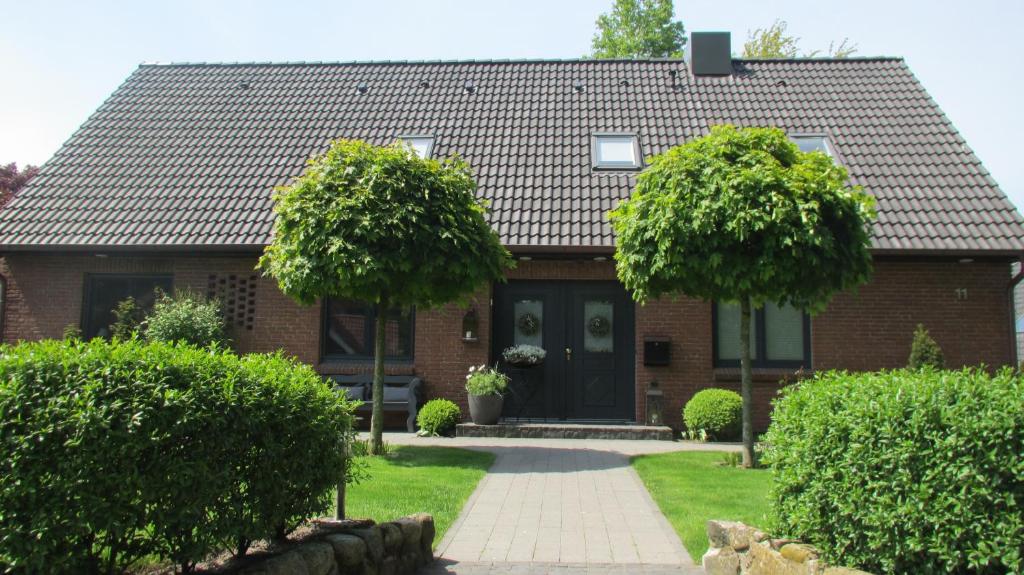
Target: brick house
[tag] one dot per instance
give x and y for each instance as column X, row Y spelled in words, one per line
column 169, row 184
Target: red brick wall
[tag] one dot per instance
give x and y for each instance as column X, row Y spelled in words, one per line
column 865, row 330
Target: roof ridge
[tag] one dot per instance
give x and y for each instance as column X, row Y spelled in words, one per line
column 505, row 61
column 812, row 59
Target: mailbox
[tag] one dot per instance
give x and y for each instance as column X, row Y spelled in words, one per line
column 657, row 351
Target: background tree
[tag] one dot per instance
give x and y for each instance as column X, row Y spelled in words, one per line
column 639, row 29
column 382, row 225
column 742, row 215
column 774, row 42
column 925, row 351
column 12, row 180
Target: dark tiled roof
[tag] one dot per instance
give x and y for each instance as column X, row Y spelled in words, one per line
column 187, row 155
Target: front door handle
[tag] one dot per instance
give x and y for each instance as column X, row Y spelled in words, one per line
column 568, row 354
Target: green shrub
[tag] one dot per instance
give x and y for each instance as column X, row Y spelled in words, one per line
column 903, row 471
column 187, row 317
column 718, row 413
column 484, row 380
column 110, row 452
column 128, row 319
column 438, row 417
column 924, row 351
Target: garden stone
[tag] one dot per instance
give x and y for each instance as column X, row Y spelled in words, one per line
column 721, row 561
column 764, row 561
column 290, row 563
column 319, row 557
column 349, row 549
column 426, row 522
column 799, row 552
column 374, row 539
column 732, row 534
column 389, row 566
column 392, row 538
column 411, row 534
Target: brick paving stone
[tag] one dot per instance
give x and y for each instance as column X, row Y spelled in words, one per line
column 550, row 506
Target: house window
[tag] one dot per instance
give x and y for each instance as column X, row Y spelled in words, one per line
column 349, row 328
column 104, row 291
column 422, row 145
column 812, row 144
column 616, row 151
column 779, row 336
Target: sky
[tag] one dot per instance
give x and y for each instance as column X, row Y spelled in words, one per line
column 59, row 59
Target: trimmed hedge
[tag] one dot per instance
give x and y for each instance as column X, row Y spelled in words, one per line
column 717, row 412
column 438, row 417
column 110, row 452
column 903, row 471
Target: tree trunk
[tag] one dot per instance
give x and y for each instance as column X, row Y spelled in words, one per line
column 339, row 501
column 377, row 418
column 746, row 385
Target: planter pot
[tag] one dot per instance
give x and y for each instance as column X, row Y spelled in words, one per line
column 525, row 364
column 485, row 409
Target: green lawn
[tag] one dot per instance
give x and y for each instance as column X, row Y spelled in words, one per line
column 434, row 480
column 692, row 487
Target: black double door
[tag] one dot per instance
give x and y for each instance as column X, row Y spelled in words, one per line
column 587, row 329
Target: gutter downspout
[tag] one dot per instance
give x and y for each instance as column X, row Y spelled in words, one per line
column 1013, row 310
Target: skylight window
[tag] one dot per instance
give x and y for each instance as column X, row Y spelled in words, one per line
column 422, row 145
column 812, row 144
column 616, row 151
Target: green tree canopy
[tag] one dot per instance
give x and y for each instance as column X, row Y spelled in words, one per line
column 382, row 225
column 639, row 29
column 742, row 215
column 774, row 42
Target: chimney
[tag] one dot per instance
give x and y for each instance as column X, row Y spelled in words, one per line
column 710, row 54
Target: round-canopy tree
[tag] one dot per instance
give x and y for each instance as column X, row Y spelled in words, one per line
column 742, row 215
column 382, row 225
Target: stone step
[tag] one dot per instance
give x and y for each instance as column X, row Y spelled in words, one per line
column 566, row 431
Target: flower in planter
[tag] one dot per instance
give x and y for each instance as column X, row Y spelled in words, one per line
column 484, row 380
column 524, row 355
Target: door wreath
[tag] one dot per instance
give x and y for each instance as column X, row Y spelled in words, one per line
column 599, row 326
column 528, row 324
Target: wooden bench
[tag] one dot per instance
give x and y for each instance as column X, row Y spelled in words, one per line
column 401, row 393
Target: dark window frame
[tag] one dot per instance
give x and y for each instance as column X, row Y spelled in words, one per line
column 761, row 343
column 3, row 306
column 87, row 292
column 368, row 333
column 616, row 166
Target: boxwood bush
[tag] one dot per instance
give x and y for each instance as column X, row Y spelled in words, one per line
column 188, row 317
column 903, row 471
column 716, row 412
column 110, row 452
column 438, row 417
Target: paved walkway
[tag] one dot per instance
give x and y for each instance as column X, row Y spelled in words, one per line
column 560, row 506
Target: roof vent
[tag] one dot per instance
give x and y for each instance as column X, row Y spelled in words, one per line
column 244, row 84
column 362, row 88
column 578, row 87
column 624, row 83
column 469, row 87
column 710, row 54
column 424, row 84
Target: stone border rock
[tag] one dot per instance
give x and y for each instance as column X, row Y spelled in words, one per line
column 397, row 547
column 738, row 549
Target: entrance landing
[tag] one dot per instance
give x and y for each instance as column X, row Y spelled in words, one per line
column 565, row 431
